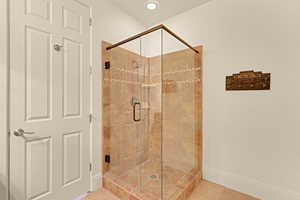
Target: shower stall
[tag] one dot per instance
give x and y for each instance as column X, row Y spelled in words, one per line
column 152, row 116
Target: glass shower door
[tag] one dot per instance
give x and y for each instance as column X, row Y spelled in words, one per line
column 129, row 120
column 122, row 117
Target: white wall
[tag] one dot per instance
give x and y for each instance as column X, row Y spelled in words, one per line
column 111, row 25
column 3, row 99
column 251, row 138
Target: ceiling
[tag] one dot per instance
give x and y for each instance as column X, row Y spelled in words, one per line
column 167, row 9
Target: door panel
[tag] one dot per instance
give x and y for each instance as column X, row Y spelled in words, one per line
column 49, row 99
column 39, row 8
column 38, row 74
column 39, row 151
column 72, row 157
column 72, row 78
column 72, row 20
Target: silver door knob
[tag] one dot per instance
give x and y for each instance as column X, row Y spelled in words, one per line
column 20, row 132
column 58, row 47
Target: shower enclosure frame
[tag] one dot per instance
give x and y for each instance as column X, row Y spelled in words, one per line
column 121, row 192
column 161, row 26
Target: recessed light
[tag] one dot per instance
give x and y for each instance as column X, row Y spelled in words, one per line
column 152, row 4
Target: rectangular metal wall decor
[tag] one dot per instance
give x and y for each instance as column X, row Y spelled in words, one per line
column 249, row 80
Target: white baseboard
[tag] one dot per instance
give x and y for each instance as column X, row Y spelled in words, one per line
column 96, row 182
column 249, row 186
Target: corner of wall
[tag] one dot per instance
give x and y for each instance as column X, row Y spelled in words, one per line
column 96, row 182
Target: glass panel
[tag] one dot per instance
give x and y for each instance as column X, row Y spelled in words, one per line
column 132, row 116
column 181, row 104
column 122, row 94
column 150, row 169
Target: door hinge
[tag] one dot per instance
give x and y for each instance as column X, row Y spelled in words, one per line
column 90, row 118
column 91, row 70
column 91, row 167
column 91, row 21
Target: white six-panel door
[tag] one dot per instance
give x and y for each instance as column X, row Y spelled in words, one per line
column 49, row 99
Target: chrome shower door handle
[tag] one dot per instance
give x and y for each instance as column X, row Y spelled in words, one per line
column 21, row 133
column 135, row 104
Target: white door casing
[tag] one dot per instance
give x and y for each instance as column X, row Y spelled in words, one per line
column 49, row 96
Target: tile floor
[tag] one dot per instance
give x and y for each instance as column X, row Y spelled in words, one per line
column 205, row 191
column 101, row 194
column 211, row 191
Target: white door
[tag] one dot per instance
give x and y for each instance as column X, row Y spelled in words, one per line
column 49, row 99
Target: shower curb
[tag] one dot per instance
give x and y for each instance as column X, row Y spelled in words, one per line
column 127, row 194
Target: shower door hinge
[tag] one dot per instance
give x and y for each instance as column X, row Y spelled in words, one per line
column 107, row 158
column 91, row 21
column 107, row 65
column 90, row 118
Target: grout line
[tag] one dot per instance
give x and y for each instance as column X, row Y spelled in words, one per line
column 154, row 84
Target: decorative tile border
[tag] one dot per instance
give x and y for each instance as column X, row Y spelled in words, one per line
column 179, row 71
column 123, row 81
column 124, row 70
column 157, row 74
column 154, row 84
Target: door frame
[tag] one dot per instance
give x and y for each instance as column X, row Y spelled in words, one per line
column 4, row 81
column 4, row 100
